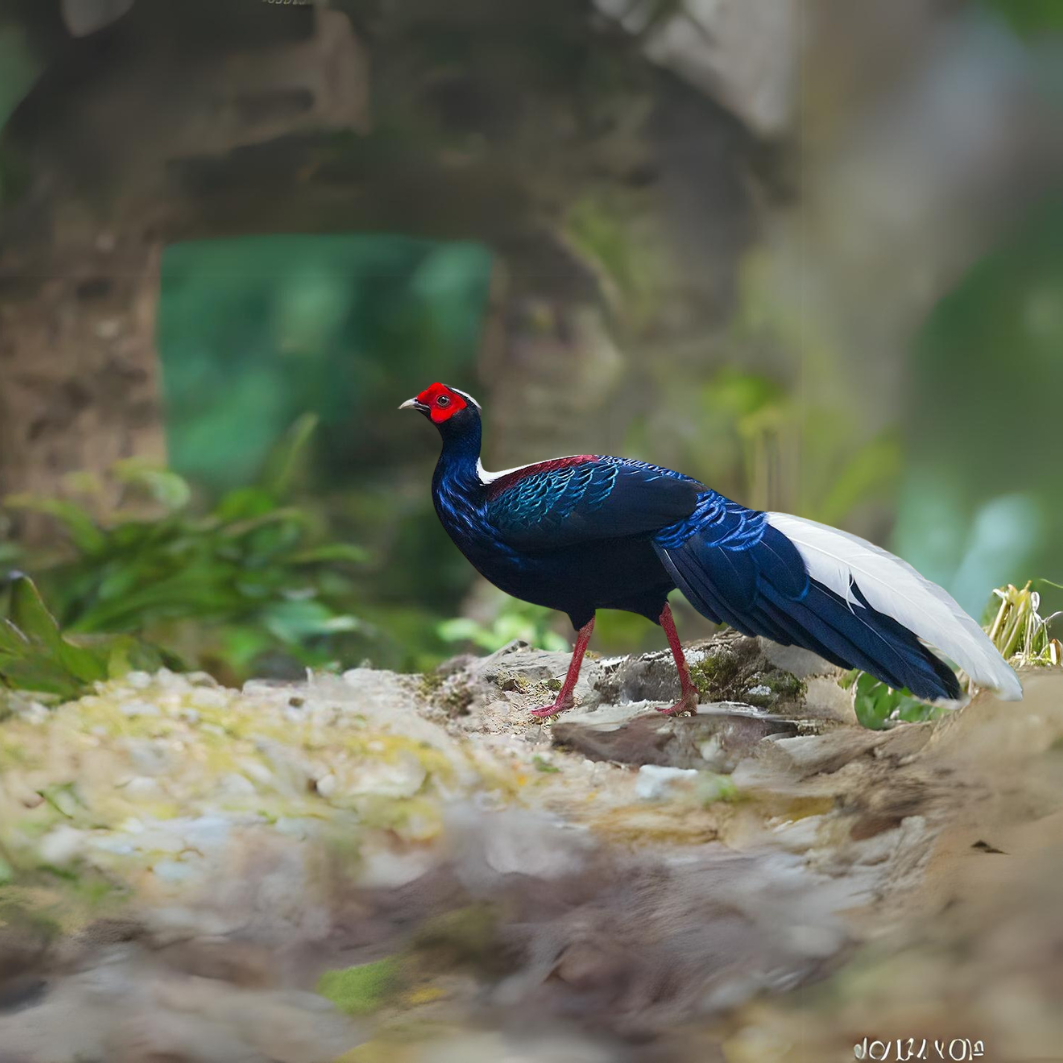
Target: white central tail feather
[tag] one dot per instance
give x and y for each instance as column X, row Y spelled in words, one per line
column 837, row 560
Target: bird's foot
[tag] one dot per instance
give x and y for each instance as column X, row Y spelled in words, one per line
column 561, row 705
column 687, row 703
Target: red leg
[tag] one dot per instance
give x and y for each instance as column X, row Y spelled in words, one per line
column 688, row 700
column 564, row 698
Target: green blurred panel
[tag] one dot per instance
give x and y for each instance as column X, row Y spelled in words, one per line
column 982, row 499
column 1030, row 17
column 18, row 68
column 254, row 332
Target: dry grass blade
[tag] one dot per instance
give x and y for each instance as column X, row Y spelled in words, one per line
column 1019, row 631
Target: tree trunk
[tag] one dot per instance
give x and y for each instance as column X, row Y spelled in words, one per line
column 79, row 379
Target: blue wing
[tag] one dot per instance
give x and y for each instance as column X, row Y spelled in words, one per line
column 735, row 567
column 586, row 498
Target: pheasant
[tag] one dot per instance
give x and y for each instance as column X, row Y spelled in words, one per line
column 589, row 532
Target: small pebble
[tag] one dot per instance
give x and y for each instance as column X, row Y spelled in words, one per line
column 139, row 708
column 655, row 783
column 326, row 785
column 61, row 845
column 208, row 698
column 236, row 785
column 141, row 786
column 173, row 872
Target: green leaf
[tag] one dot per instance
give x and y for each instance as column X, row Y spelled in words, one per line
column 35, row 656
column 29, row 613
column 167, row 488
column 877, row 705
column 296, row 621
column 331, row 552
column 64, row 798
column 12, row 641
column 245, row 503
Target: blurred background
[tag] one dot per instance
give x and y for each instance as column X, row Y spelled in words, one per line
column 810, row 251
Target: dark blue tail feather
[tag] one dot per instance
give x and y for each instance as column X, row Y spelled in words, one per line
column 762, row 587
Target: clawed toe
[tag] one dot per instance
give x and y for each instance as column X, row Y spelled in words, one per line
column 547, row 711
column 687, row 703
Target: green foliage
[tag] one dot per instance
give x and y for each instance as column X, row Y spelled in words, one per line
column 251, row 577
column 36, row 657
column 514, row 620
column 363, row 989
column 255, row 330
column 619, row 632
column 979, row 504
column 759, row 439
column 877, row 705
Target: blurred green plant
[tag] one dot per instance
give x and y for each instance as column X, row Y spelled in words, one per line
column 757, row 438
column 37, row 658
column 514, row 620
column 973, row 513
column 251, row 585
column 1030, row 17
column 878, row 706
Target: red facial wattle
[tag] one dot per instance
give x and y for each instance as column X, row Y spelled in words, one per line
column 442, row 402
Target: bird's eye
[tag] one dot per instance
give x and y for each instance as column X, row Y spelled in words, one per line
column 443, row 400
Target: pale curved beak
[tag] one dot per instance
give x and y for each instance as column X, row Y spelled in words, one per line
column 413, row 404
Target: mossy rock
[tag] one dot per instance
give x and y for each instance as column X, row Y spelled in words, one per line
column 735, row 669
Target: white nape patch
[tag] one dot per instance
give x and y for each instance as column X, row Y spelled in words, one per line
column 837, row 560
column 489, row 477
column 467, row 397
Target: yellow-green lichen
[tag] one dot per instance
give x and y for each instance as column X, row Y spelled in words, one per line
column 363, row 989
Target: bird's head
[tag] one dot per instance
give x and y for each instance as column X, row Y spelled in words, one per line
column 450, row 410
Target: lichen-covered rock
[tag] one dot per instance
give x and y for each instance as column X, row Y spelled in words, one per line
column 149, row 783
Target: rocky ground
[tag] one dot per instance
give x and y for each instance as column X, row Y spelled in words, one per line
column 409, row 868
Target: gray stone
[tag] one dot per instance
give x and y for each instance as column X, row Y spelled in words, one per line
column 717, row 737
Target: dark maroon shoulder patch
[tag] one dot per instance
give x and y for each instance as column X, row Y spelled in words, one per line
column 496, row 487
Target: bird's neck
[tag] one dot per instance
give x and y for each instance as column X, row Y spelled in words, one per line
column 458, row 461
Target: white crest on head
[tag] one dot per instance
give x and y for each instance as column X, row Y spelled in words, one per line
column 467, row 397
